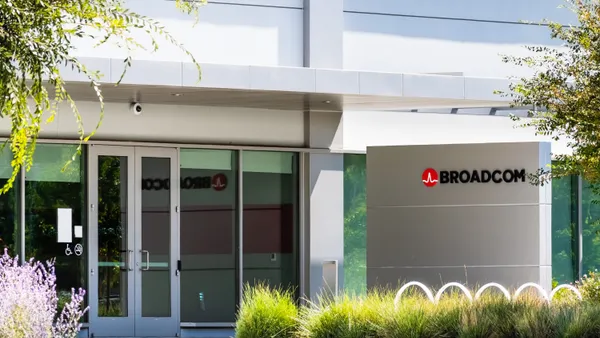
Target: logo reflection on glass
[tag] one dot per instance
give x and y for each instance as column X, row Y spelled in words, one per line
column 217, row 182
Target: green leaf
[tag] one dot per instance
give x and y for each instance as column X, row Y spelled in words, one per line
column 564, row 92
column 36, row 39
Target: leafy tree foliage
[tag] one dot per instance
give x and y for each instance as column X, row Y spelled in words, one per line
column 565, row 92
column 37, row 40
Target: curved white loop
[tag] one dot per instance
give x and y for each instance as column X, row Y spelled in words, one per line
column 458, row 285
column 566, row 286
column 425, row 289
column 533, row 285
column 495, row 285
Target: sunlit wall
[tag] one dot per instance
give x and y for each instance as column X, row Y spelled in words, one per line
column 564, row 226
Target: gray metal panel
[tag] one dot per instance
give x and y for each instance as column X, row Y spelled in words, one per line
column 434, row 86
column 510, row 277
column 183, row 124
column 282, row 78
column 323, row 130
column 297, row 79
column 454, row 236
column 323, row 33
column 484, row 88
column 404, row 165
column 326, row 218
column 388, row 84
column 498, row 232
column 216, row 76
column 337, row 81
column 101, row 65
column 168, row 74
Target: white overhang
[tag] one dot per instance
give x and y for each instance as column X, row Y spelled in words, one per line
column 285, row 88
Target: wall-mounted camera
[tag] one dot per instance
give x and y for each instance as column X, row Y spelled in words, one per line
column 136, row 108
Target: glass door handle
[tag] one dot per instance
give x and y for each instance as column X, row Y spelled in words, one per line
column 129, row 253
column 147, row 260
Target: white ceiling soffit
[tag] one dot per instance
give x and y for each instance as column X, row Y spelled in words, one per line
column 285, row 88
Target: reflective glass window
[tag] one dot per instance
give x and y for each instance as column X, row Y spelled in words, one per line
column 270, row 218
column 55, row 222
column 208, row 235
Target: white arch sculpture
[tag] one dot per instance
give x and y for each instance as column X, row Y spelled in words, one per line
column 422, row 286
column 495, row 285
column 532, row 285
column 466, row 291
column 568, row 287
column 547, row 297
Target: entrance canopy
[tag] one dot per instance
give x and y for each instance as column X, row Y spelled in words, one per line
column 284, row 88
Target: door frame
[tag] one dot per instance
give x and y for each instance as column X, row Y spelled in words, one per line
column 109, row 326
column 157, row 326
column 133, row 324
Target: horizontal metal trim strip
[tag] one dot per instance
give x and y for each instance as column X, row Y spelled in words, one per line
column 247, row 4
column 187, row 146
column 459, row 266
column 445, row 18
column 364, row 152
column 205, row 325
column 189, row 325
column 458, row 205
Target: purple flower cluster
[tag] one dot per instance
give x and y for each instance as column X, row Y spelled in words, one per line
column 28, row 302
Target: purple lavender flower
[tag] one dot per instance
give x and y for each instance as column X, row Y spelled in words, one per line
column 28, row 302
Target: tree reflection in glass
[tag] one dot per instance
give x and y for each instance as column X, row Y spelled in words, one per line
column 112, row 236
column 50, row 185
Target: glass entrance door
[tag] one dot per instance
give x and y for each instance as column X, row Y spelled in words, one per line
column 157, row 180
column 133, row 248
column 112, row 224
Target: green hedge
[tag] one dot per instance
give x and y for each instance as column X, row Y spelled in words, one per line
column 273, row 313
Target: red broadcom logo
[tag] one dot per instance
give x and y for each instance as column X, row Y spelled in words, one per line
column 219, row 182
column 430, row 177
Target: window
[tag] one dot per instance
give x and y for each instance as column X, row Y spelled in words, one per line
column 564, row 230
column 113, row 279
column 47, row 189
column 208, row 235
column 10, row 234
column 270, row 218
column 355, row 223
column 591, row 228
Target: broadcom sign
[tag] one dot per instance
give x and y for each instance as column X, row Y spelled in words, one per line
column 431, row 177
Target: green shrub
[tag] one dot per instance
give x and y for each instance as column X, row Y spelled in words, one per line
column 412, row 318
column 589, row 286
column 490, row 316
column 585, row 322
column 343, row 317
column 534, row 318
column 376, row 316
column 267, row 313
column 563, row 294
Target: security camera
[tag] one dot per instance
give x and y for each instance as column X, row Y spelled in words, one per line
column 136, row 108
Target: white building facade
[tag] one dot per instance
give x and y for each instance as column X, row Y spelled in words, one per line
column 245, row 176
